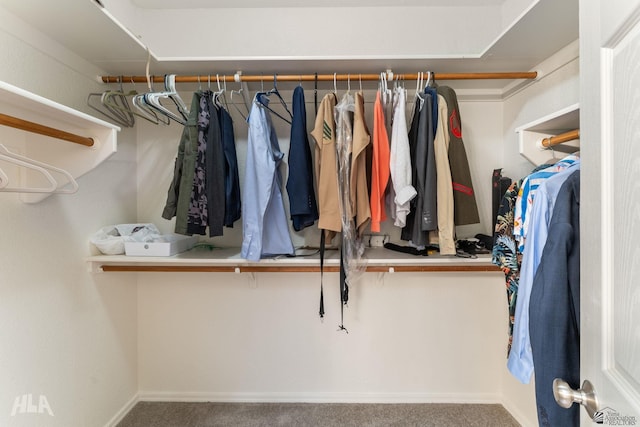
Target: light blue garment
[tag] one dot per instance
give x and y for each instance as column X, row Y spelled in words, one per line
column 527, row 192
column 520, row 361
column 264, row 222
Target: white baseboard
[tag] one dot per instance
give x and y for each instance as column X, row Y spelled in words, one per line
column 123, row 411
column 523, row 420
column 318, row 397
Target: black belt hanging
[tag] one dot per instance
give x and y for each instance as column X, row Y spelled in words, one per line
column 322, row 241
column 344, row 289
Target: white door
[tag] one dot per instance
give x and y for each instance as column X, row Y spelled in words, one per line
column 610, row 207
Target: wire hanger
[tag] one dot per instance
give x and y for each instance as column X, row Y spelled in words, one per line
column 97, row 102
column 44, row 169
column 275, row 92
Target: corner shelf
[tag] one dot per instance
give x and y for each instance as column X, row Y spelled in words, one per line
column 74, row 158
column 379, row 260
column 531, row 134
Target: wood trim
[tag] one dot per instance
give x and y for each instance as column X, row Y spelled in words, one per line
column 295, row 269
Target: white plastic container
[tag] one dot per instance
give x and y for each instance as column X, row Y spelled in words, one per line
column 173, row 244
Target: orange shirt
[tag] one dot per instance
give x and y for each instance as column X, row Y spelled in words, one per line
column 379, row 166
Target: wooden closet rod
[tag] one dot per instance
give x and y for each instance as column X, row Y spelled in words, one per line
column 354, row 77
column 17, row 123
column 559, row 139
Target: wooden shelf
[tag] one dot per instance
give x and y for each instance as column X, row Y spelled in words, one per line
column 52, row 133
column 379, row 260
column 531, row 136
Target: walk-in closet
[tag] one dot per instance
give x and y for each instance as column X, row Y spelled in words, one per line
column 323, row 203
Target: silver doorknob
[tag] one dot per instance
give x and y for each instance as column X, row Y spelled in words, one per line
column 586, row 396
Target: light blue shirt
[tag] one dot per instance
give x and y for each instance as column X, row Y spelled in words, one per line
column 520, row 361
column 265, row 231
column 527, row 192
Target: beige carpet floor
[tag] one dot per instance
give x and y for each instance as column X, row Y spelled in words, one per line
column 179, row 414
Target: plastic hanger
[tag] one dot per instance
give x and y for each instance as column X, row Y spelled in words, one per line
column 274, row 91
column 152, row 99
column 419, row 99
column 426, row 85
column 106, row 110
column 43, row 168
column 117, row 100
column 4, row 179
column 219, row 97
column 148, row 112
column 235, row 105
column 141, row 110
column 10, row 159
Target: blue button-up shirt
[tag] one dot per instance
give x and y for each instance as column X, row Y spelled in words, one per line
column 264, row 223
column 520, row 361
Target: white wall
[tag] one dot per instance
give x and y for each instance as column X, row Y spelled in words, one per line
column 412, row 337
column 66, row 334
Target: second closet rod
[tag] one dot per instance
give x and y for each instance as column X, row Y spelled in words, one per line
column 33, row 127
column 321, row 77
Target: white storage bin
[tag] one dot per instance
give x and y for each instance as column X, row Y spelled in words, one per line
column 173, row 244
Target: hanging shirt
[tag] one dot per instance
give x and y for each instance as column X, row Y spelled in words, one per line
column 215, row 171
column 400, row 161
column 555, row 308
column 179, row 193
column 418, row 136
column 506, row 254
column 302, row 197
column 198, row 215
column 233, row 204
column 326, row 169
column 464, row 199
column 358, row 188
column 379, row 166
column 352, row 249
column 446, row 225
column 527, row 193
column 430, row 204
column 264, row 222
column 520, row 361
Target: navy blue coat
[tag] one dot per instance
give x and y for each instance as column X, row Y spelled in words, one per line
column 554, row 308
